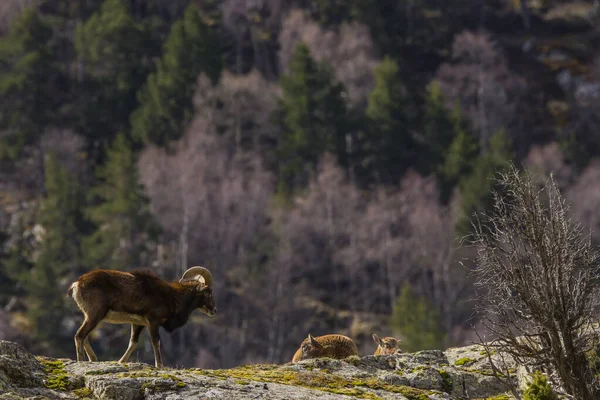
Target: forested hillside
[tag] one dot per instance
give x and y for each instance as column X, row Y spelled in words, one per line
column 321, row 157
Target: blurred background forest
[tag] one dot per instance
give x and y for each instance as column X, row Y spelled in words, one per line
column 321, row 157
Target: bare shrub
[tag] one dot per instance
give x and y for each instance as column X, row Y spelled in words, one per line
column 349, row 50
column 539, row 280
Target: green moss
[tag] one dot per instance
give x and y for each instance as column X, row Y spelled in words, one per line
column 57, row 377
column 539, row 388
column 97, row 372
column 464, row 360
column 153, row 373
column 82, row 393
column 318, row 380
column 484, row 353
column 447, row 384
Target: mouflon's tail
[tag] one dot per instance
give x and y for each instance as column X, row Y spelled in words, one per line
column 70, row 291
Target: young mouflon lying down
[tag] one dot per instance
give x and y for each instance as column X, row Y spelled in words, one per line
column 141, row 299
column 387, row 345
column 332, row 346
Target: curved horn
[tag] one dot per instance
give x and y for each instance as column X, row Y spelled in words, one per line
column 194, row 272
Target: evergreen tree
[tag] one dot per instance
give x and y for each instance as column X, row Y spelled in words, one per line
column 314, row 119
column 438, row 126
column 15, row 264
column 458, row 158
column 6, row 283
column 390, row 146
column 417, row 321
column 166, row 98
column 450, row 147
column 476, row 188
column 114, row 60
column 59, row 258
column 30, row 83
column 121, row 213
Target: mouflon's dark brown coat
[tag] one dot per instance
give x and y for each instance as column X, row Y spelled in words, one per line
column 142, row 299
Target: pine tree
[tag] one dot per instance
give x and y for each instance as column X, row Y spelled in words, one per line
column 458, row 158
column 59, row 258
column 30, row 76
column 314, row 119
column 6, row 283
column 15, row 260
column 114, row 51
column 121, row 212
column 417, row 321
column 391, row 148
column 166, row 97
column 438, row 126
column 450, row 147
column 476, row 188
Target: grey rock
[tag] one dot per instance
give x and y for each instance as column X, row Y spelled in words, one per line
column 432, row 373
column 18, row 368
column 113, row 389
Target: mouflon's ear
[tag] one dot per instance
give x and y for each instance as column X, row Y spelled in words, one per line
column 376, row 339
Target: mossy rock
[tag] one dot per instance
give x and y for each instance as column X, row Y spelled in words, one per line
column 465, row 361
column 83, row 393
column 318, row 380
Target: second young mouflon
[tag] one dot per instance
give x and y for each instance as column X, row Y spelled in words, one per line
column 387, row 345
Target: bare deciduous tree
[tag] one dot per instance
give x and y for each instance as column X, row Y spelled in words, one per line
column 549, row 159
column 478, row 79
column 212, row 203
column 350, row 51
column 584, row 195
column 539, row 278
column 242, row 107
column 67, row 147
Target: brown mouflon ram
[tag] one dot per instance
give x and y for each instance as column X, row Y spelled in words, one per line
column 332, row 346
column 386, row 346
column 141, row 299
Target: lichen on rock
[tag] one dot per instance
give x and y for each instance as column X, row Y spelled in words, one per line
column 424, row 375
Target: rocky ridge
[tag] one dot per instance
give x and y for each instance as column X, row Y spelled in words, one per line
column 457, row 373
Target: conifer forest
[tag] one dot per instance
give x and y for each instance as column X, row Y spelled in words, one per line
column 323, row 158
